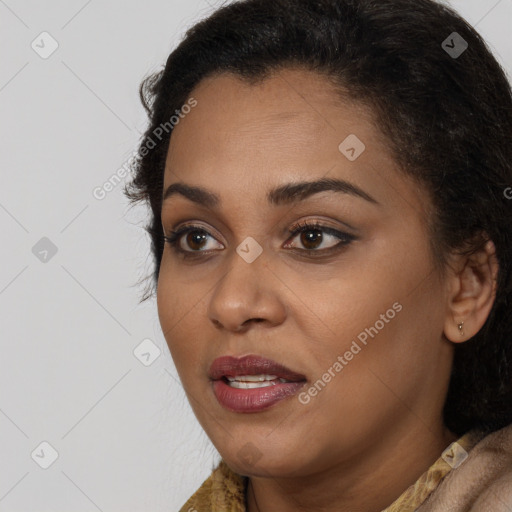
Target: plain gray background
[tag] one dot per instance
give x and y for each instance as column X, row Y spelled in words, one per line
column 71, row 370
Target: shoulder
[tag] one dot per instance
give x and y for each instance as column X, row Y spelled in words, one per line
column 483, row 480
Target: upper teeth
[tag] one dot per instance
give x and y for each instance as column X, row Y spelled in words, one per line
column 252, row 378
column 254, row 381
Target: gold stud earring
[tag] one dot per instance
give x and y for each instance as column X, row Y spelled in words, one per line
column 460, row 328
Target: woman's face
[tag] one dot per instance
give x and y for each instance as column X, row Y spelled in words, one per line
column 353, row 306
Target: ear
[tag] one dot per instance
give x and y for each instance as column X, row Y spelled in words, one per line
column 472, row 290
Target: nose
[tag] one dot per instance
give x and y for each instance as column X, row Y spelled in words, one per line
column 248, row 293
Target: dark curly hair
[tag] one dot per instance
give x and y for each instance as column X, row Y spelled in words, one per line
column 446, row 118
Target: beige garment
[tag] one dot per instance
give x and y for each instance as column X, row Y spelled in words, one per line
column 482, row 483
column 473, row 474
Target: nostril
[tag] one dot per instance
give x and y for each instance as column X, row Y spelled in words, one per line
column 251, row 320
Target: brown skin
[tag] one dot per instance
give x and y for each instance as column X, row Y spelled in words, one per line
column 377, row 426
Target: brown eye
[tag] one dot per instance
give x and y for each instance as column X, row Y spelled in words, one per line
column 195, row 239
column 312, row 237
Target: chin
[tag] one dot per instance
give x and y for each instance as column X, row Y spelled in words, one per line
column 263, row 458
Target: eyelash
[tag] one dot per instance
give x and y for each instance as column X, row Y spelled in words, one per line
column 345, row 239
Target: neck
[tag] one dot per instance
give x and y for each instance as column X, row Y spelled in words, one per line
column 371, row 481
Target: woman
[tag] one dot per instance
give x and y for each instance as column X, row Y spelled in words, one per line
column 331, row 234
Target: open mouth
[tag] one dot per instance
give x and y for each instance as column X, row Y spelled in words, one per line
column 253, row 381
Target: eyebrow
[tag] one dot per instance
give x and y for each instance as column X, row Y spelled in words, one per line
column 284, row 194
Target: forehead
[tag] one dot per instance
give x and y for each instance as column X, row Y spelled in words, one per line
column 286, row 99
column 288, row 115
column 286, row 128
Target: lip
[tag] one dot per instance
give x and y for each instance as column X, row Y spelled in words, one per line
column 255, row 399
column 229, row 366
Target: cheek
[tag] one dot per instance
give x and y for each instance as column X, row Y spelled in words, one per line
column 383, row 321
column 371, row 384
column 177, row 307
column 387, row 362
column 339, row 304
column 176, row 295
